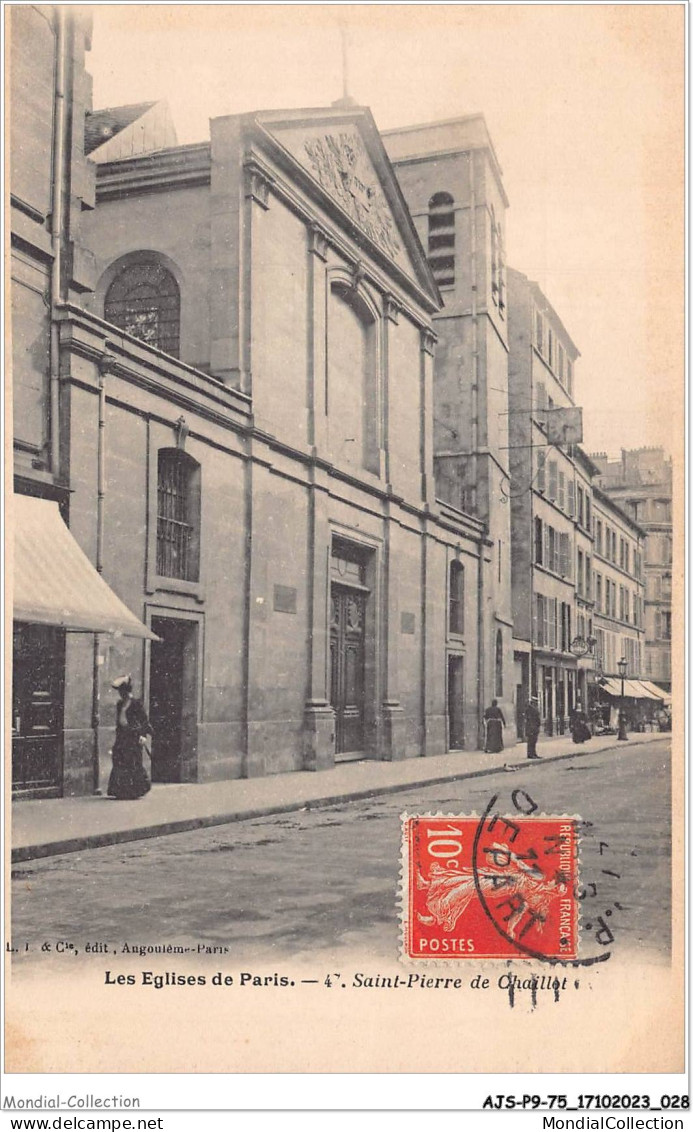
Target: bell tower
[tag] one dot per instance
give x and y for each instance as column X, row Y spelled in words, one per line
column 451, row 180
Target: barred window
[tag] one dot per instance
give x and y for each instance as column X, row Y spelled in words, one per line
column 178, row 516
column 144, row 300
column 441, row 238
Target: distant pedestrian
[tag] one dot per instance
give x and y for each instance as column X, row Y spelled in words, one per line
column 532, row 726
column 494, row 722
column 128, row 777
column 578, row 725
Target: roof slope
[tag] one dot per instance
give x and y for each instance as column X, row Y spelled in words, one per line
column 100, row 125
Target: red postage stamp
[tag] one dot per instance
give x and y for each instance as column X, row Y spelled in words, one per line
column 491, row 888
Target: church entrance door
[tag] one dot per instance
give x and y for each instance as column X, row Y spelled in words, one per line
column 455, row 703
column 347, row 658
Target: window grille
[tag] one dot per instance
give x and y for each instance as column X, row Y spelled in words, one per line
column 144, row 300
column 176, row 555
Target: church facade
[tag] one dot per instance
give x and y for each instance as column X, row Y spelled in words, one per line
column 256, row 361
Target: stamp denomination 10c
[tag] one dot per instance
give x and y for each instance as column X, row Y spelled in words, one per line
column 489, row 888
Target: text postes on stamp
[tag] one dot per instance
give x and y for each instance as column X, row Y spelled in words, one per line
column 489, row 888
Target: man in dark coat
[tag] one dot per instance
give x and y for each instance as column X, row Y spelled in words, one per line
column 532, row 726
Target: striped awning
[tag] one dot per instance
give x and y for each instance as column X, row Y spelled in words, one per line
column 655, row 689
column 54, row 581
column 632, row 689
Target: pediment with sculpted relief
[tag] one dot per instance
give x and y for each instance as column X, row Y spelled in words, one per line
column 336, row 155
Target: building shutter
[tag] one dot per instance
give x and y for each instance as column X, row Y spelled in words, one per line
column 571, row 497
column 541, row 470
column 552, row 622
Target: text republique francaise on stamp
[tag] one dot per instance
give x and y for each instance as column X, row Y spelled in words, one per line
column 489, row 888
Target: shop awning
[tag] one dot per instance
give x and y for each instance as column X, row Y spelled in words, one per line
column 54, row 581
column 632, row 689
column 660, row 693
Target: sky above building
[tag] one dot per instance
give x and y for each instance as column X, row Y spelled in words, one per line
column 585, row 107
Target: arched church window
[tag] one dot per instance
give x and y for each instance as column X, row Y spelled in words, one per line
column 441, row 238
column 352, row 389
column 178, row 516
column 144, row 300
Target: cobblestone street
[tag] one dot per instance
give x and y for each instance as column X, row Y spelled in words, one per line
column 299, row 884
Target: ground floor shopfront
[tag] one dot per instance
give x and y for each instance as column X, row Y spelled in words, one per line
column 645, row 705
column 560, row 683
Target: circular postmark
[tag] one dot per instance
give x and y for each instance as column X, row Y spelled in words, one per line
column 525, row 869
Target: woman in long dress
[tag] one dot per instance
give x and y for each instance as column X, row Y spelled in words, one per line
column 578, row 725
column 494, row 722
column 129, row 778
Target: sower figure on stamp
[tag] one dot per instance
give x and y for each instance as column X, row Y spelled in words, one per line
column 532, row 726
column 129, row 778
column 494, row 722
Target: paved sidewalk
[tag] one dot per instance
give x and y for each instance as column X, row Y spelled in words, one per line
column 48, row 827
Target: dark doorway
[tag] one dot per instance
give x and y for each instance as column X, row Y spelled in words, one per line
column 347, row 657
column 456, row 703
column 548, row 702
column 37, row 707
column 560, row 707
column 173, row 700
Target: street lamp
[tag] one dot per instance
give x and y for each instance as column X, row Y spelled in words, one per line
column 622, row 669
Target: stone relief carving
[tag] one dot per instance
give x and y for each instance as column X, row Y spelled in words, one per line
column 341, row 165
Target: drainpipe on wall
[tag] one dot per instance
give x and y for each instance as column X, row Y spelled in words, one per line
column 105, row 364
column 57, row 223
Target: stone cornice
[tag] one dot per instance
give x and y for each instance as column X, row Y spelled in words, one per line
column 183, row 167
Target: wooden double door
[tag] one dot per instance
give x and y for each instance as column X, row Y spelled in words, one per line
column 347, row 660
column 38, row 677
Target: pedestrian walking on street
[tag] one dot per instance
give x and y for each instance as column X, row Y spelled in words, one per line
column 532, row 726
column 128, row 778
column 494, row 722
column 578, row 725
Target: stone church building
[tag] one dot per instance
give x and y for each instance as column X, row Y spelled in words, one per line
column 283, row 540
column 235, row 415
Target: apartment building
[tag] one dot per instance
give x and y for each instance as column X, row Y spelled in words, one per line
column 640, row 482
column 551, row 508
